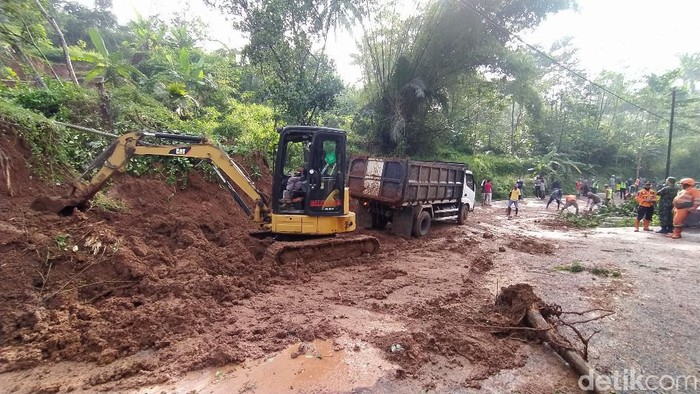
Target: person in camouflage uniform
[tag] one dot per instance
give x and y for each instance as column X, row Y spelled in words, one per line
column 667, row 194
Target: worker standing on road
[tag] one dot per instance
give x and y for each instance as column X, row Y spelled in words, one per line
column 646, row 199
column 667, row 194
column 538, row 188
column 513, row 198
column 608, row 195
column 570, row 202
column 687, row 200
column 623, row 189
column 488, row 192
column 520, row 185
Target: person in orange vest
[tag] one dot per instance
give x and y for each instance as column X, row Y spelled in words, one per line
column 570, row 202
column 686, row 200
column 579, row 186
column 645, row 199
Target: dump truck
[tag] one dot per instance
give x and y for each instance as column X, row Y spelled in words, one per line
column 319, row 208
column 409, row 194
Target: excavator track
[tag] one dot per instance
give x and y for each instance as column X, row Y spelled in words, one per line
column 322, row 250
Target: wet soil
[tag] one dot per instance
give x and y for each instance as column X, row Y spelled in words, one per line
column 173, row 295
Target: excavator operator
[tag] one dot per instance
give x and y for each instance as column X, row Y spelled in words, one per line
column 293, row 194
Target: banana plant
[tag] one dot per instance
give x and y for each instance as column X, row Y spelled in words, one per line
column 111, row 67
column 178, row 99
column 556, row 164
column 184, row 69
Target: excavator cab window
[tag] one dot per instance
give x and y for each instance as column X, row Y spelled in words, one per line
column 312, row 160
column 327, row 174
column 293, row 180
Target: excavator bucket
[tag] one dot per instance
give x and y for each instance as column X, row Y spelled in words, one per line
column 325, row 249
column 59, row 205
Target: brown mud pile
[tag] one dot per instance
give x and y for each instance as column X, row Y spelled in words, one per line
column 161, row 275
column 452, row 327
column 531, row 245
column 175, row 283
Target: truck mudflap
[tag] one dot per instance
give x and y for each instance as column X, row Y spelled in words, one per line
column 324, row 249
column 402, row 222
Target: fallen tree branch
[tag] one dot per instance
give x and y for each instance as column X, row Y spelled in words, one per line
column 109, row 291
column 586, row 311
column 549, row 334
column 487, row 327
column 589, row 320
column 88, row 129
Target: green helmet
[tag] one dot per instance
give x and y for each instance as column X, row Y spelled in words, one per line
column 330, row 158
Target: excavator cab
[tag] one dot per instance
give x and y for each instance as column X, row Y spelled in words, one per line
column 319, row 155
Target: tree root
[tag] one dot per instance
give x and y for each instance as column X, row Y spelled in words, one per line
column 5, row 170
column 521, row 304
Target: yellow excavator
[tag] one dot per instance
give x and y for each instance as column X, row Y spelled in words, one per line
column 310, row 203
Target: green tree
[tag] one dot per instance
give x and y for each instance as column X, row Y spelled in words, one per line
column 21, row 27
column 285, row 36
column 409, row 65
column 111, row 67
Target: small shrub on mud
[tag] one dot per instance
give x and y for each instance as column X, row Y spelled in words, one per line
column 101, row 200
column 573, row 267
column 576, row 267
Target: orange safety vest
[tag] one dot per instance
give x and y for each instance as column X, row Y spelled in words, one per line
column 688, row 195
column 570, row 198
column 644, row 195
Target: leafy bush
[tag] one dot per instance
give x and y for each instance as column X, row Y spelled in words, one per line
column 49, row 157
column 502, row 170
column 58, row 101
column 135, row 110
column 248, row 128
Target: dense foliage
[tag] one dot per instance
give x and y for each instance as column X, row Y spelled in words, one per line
column 447, row 83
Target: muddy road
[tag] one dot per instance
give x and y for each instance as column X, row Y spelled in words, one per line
column 167, row 298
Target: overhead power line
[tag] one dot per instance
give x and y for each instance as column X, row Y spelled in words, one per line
column 556, row 62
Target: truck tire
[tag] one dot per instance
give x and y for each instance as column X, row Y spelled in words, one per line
column 462, row 214
column 379, row 221
column 421, row 225
column 364, row 218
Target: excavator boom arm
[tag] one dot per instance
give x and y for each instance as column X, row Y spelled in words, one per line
column 122, row 150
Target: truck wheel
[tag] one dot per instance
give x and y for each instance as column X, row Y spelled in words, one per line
column 463, row 214
column 379, row 221
column 421, row 225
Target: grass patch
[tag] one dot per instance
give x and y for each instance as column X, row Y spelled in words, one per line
column 604, row 272
column 576, row 266
column 573, row 267
column 101, row 200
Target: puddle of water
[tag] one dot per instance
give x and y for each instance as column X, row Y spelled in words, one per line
column 318, row 368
